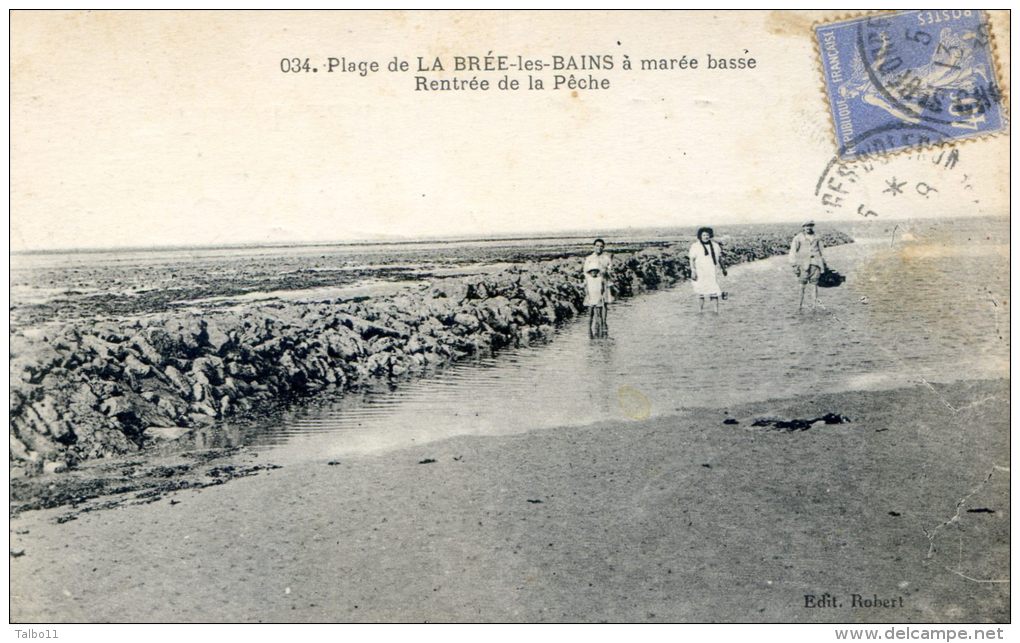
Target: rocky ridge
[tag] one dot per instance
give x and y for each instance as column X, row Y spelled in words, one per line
column 93, row 388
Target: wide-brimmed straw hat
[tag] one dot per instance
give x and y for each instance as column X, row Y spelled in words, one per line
column 808, row 224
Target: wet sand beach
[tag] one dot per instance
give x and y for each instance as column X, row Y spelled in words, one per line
column 696, row 467
column 679, row 518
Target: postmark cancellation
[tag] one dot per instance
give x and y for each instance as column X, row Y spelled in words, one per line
column 909, row 79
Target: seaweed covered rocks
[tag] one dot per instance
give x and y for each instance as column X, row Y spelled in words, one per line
column 85, row 389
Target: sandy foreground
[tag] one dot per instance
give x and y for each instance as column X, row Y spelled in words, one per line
column 682, row 518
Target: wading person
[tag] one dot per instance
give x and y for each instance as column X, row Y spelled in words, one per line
column 595, row 289
column 601, row 262
column 705, row 256
column 807, row 260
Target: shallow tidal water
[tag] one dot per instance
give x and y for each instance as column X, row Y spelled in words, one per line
column 914, row 309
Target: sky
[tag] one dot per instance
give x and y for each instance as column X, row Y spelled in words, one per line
column 176, row 128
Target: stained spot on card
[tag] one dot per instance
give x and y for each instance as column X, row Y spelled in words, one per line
column 788, row 23
column 634, row 404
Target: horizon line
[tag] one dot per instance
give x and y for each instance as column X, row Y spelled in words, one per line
column 404, row 240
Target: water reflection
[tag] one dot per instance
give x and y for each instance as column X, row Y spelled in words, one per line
column 599, row 371
column 663, row 355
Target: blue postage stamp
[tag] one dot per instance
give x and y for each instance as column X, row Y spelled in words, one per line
column 908, row 79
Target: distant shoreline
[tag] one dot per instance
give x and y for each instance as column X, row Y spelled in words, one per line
column 575, row 234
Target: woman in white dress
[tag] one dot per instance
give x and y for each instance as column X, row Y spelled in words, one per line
column 706, row 265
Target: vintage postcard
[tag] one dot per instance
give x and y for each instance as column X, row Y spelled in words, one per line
column 510, row 316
